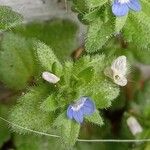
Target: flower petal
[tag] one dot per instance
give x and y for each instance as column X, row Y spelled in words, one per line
column 122, row 81
column 78, row 116
column 89, row 103
column 134, row 5
column 87, row 111
column 119, row 9
column 70, row 112
column 88, row 107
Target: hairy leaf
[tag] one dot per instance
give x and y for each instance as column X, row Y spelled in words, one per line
column 95, row 3
column 69, row 129
column 27, row 112
column 50, row 103
column 98, row 35
column 8, row 18
column 17, row 62
column 4, row 131
column 47, row 58
column 119, row 23
column 95, row 118
column 59, row 34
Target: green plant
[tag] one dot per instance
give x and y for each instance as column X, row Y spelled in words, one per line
column 33, row 49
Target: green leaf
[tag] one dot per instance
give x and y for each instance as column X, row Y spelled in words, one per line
column 96, row 63
column 142, row 99
column 104, row 90
column 143, row 19
column 27, row 112
column 119, row 23
column 87, row 74
column 4, row 131
column 108, row 91
column 17, row 61
column 95, row 118
column 142, row 56
column 91, row 16
column 95, row 3
column 69, row 129
column 137, row 30
column 147, row 147
column 47, row 58
column 60, row 120
column 70, row 132
column 99, row 63
column 98, row 35
column 59, row 34
column 34, row 142
column 103, row 94
column 146, row 5
column 8, row 18
column 80, row 6
column 50, row 104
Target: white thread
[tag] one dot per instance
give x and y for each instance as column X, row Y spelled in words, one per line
column 80, row 140
column 38, row 132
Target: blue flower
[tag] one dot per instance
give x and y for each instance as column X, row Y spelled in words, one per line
column 121, row 7
column 83, row 106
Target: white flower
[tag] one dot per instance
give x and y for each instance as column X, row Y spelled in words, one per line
column 49, row 77
column 118, row 71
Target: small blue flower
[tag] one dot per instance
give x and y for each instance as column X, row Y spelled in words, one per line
column 121, row 7
column 83, row 106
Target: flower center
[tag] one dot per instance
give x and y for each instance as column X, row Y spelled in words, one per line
column 78, row 104
column 123, row 1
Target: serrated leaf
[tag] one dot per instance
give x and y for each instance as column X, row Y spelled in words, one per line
column 98, row 34
column 50, row 104
column 69, row 129
column 103, row 94
column 91, row 16
column 20, row 66
column 137, row 30
column 81, row 64
column 59, row 34
column 86, row 75
column 95, row 3
column 143, row 19
column 59, row 120
column 107, row 92
column 98, row 62
column 47, row 58
column 27, row 112
column 104, row 91
column 95, row 118
column 8, row 18
column 119, row 23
